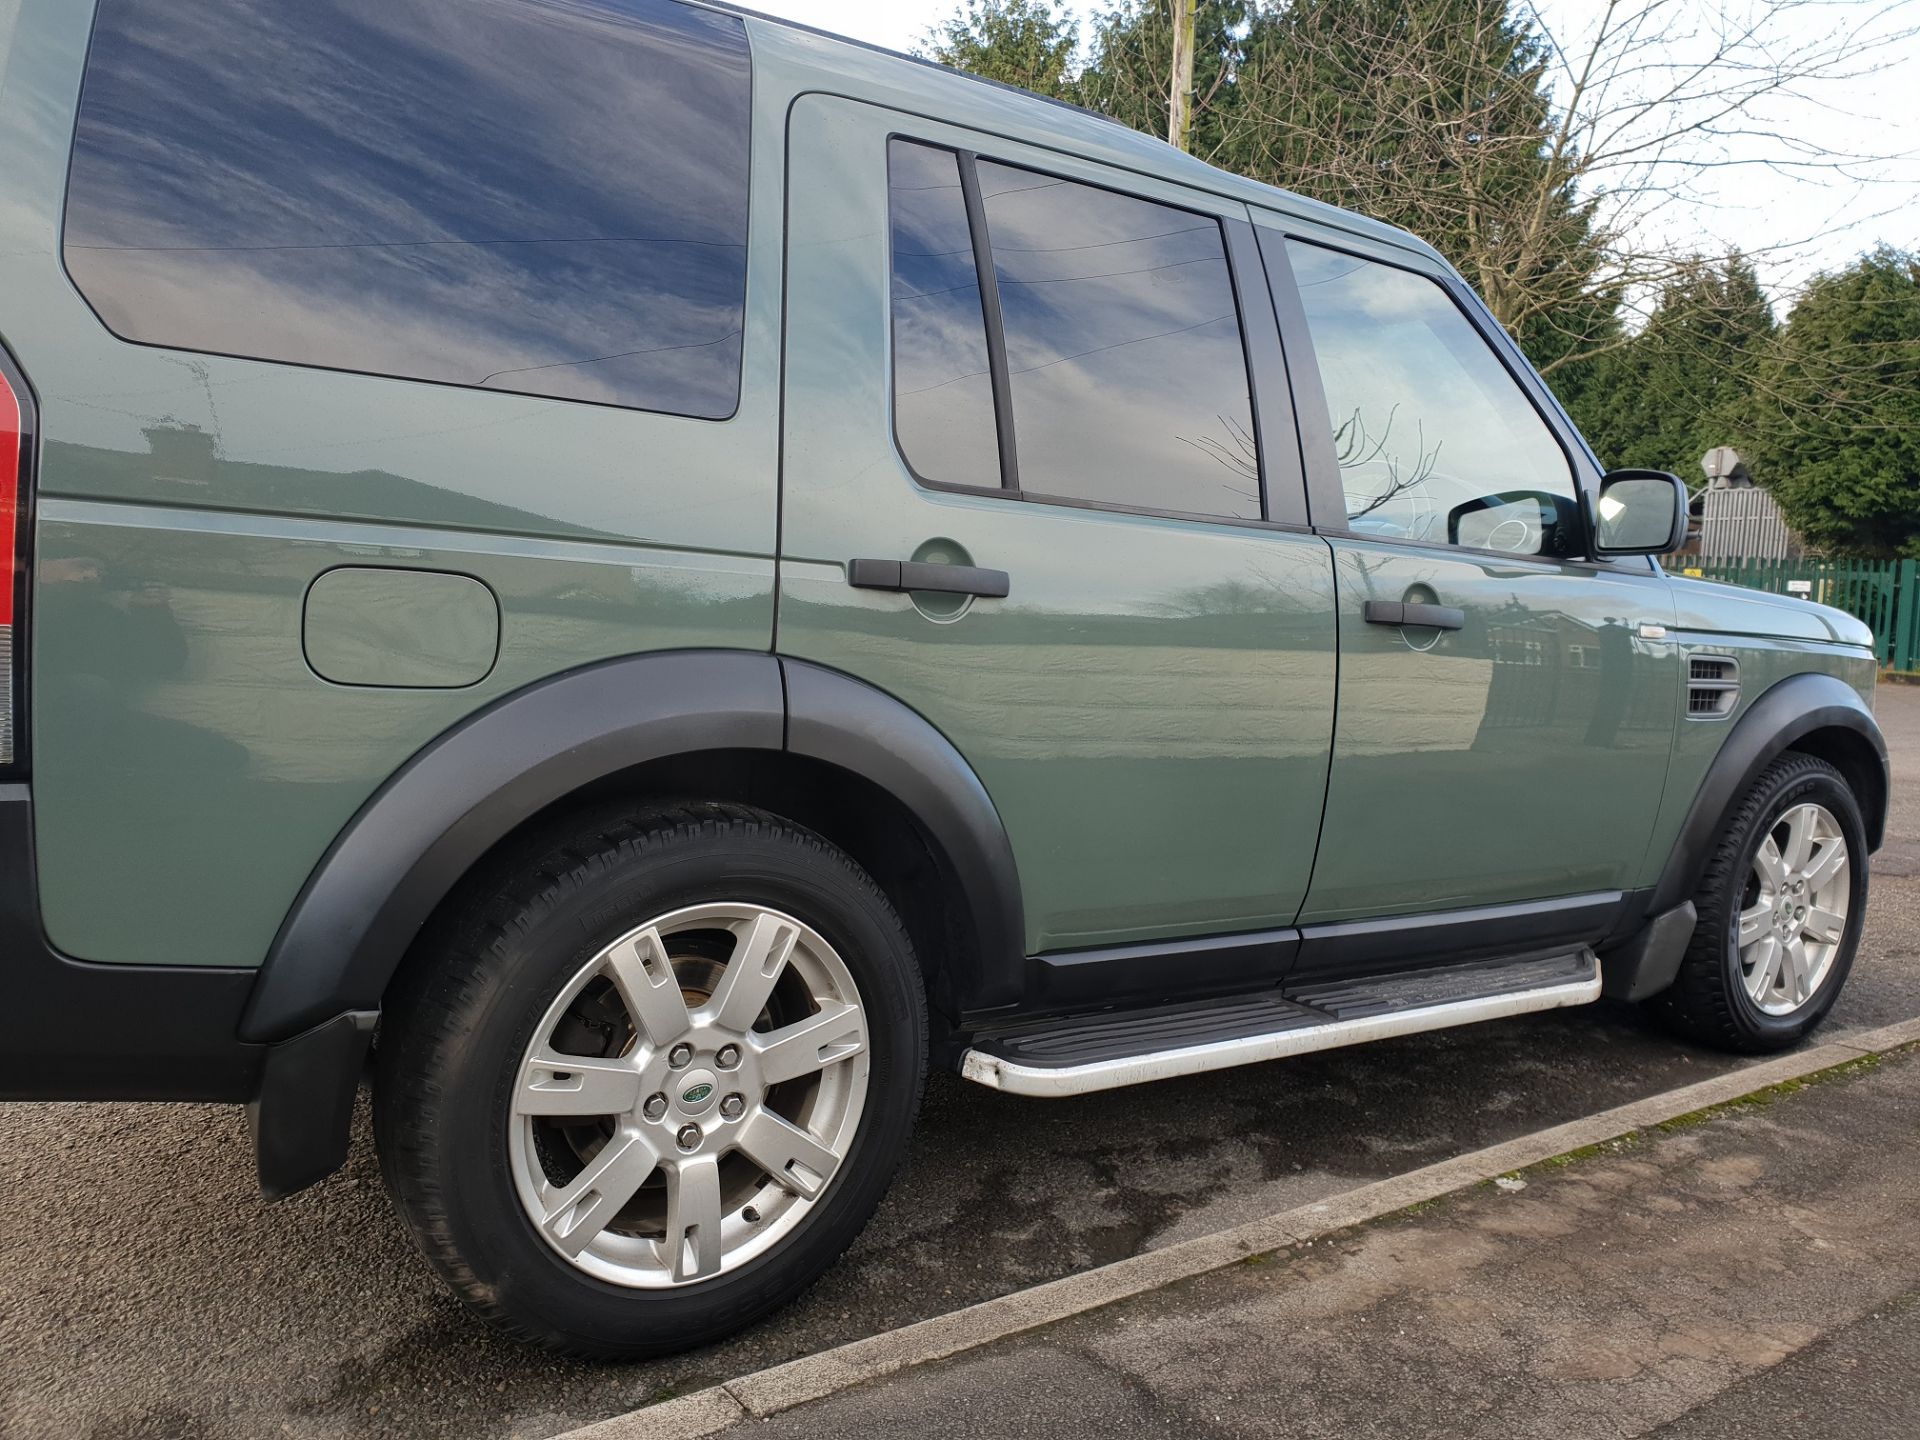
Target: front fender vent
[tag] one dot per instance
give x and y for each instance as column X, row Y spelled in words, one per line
column 1713, row 686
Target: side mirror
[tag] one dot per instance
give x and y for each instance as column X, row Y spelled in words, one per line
column 1521, row 522
column 1640, row 512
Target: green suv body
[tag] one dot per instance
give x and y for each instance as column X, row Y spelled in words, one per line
column 674, row 567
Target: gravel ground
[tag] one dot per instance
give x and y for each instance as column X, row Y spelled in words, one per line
column 147, row 1291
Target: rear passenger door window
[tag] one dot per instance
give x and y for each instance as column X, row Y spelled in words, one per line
column 1104, row 341
column 1124, row 357
column 943, row 412
column 541, row 198
column 1435, row 440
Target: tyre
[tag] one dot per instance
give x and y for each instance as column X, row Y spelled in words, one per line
column 1780, row 905
column 653, row 1082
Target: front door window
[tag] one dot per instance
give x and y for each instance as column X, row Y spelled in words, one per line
column 1436, row 441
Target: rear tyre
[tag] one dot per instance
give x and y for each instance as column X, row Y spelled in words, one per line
column 648, row 1088
column 1780, row 905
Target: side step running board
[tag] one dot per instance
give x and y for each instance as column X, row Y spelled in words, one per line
column 1128, row 1047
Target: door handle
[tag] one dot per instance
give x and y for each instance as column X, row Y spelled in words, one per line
column 920, row 575
column 1409, row 612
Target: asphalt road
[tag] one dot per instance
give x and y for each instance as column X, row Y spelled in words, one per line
column 146, row 1291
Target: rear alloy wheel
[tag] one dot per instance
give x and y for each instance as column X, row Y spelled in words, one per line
column 1780, row 907
column 643, row 1085
column 689, row 1095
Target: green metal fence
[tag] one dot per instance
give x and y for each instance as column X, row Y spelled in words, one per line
column 1883, row 593
column 1904, row 640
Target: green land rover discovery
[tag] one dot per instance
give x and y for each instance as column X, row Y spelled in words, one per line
column 635, row 575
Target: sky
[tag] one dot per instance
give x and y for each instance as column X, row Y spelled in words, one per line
column 1796, row 223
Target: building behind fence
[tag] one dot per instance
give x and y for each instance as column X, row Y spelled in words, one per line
column 1743, row 524
column 1738, row 520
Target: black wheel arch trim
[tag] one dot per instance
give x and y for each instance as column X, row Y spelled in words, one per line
column 834, row 718
column 411, row 843
column 425, row 828
column 1784, row 715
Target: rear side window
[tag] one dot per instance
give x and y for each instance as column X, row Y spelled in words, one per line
column 509, row 194
column 1124, row 355
column 1105, row 341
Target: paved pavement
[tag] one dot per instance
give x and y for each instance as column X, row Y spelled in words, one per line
column 151, row 1294
column 1758, row 1274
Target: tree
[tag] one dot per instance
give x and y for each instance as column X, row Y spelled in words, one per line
column 1679, row 386
column 1547, row 165
column 1435, row 115
column 1180, row 90
column 1129, row 72
column 1029, row 43
column 1541, row 162
column 1835, row 409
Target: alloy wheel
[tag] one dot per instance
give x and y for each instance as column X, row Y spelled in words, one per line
column 689, row 1095
column 1794, row 909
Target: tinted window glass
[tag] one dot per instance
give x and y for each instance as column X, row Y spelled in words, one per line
column 1128, row 375
column 942, row 389
column 1436, row 440
column 539, row 197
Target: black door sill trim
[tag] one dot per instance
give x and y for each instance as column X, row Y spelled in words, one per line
column 1410, row 942
column 1181, row 969
column 1061, row 982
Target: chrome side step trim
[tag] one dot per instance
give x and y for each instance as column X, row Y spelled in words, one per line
column 1015, row 1078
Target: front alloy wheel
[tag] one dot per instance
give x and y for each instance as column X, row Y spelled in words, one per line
column 1798, row 893
column 1779, row 905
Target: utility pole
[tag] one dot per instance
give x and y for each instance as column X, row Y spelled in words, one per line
column 1180, row 96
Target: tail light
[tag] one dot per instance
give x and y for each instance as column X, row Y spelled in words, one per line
column 14, row 454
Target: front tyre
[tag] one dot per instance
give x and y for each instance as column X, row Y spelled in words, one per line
column 1780, row 904
column 655, row 1083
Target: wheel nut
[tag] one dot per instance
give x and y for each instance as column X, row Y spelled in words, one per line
column 679, row 1056
column 732, row 1107
column 728, row 1057
column 655, row 1107
column 689, row 1137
